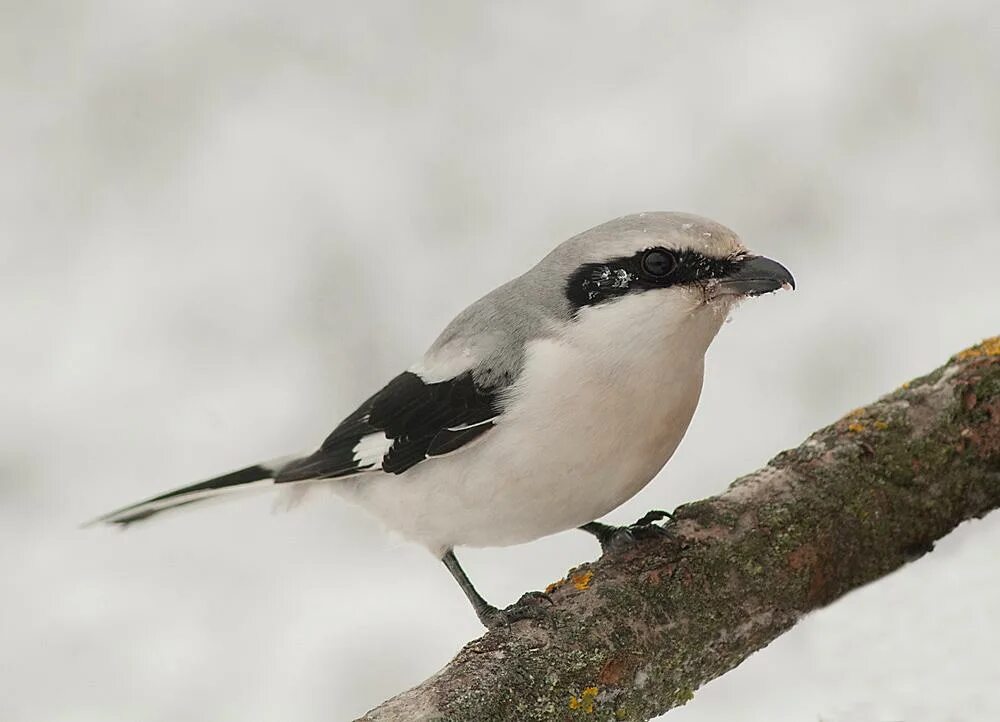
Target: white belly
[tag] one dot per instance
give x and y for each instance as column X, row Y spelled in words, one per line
column 588, row 426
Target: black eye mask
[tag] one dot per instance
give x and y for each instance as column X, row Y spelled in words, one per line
column 595, row 283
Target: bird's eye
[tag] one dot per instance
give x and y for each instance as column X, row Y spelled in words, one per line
column 659, row 263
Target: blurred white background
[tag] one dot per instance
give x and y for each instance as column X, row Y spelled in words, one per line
column 223, row 224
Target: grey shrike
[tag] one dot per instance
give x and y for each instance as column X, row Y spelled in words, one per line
column 543, row 405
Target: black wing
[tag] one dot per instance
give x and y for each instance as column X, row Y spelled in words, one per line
column 400, row 426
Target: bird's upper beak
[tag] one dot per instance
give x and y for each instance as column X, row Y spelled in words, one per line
column 754, row 276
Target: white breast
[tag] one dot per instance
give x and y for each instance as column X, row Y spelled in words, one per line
column 596, row 414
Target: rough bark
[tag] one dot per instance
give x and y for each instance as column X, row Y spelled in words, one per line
column 635, row 633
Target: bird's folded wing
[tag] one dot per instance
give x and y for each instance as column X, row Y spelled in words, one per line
column 406, row 422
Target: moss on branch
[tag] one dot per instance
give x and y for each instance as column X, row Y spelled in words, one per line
column 636, row 632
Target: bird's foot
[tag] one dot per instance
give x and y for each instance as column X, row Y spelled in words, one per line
column 617, row 538
column 531, row 605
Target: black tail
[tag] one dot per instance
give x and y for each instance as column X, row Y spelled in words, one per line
column 243, row 480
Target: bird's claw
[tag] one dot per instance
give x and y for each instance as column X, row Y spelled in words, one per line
column 529, row 597
column 619, row 538
column 626, row 536
column 650, row 517
column 529, row 606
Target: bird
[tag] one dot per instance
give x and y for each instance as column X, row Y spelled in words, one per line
column 541, row 407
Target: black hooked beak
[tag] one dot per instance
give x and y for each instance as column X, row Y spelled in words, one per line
column 755, row 276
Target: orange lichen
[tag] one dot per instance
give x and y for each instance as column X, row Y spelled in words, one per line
column 856, row 427
column 989, row 347
column 881, row 425
column 585, row 701
column 554, row 586
column 582, row 580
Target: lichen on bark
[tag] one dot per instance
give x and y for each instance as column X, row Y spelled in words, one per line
column 635, row 633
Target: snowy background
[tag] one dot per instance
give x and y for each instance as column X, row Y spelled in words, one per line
column 223, row 224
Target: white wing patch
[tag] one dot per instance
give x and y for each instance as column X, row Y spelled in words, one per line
column 370, row 450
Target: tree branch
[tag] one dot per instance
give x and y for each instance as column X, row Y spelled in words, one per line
column 635, row 633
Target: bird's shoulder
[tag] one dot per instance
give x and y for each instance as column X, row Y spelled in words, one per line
column 451, row 397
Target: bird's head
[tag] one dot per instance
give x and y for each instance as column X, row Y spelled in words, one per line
column 672, row 271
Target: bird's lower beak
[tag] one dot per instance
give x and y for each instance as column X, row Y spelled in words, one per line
column 754, row 276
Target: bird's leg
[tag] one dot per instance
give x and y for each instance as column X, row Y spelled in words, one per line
column 618, row 537
column 490, row 616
